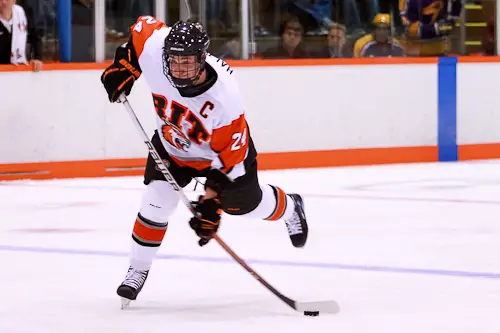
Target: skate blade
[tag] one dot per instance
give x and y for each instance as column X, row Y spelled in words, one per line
column 125, row 303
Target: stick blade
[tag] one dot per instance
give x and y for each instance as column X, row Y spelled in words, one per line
column 322, row 306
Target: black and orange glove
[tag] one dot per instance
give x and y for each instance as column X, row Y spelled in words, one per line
column 120, row 76
column 207, row 223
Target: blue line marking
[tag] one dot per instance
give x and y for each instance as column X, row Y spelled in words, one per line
column 323, row 265
column 447, row 109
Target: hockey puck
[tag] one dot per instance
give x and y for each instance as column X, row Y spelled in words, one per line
column 311, row 313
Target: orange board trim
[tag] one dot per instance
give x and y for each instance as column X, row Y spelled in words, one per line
column 478, row 59
column 57, row 66
column 267, row 161
column 483, row 151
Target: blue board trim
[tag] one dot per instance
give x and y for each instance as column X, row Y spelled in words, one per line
column 447, row 109
column 64, row 27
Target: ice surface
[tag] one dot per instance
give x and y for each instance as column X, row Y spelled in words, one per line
column 406, row 248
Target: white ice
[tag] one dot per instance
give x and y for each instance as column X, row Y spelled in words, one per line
column 406, row 248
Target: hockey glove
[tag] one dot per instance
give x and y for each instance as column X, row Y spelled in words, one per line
column 121, row 75
column 207, row 223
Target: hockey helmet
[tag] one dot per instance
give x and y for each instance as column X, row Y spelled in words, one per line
column 382, row 24
column 382, row 20
column 184, row 53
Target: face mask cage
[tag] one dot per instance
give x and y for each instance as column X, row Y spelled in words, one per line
column 183, row 70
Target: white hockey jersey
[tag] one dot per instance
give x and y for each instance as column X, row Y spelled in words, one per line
column 208, row 130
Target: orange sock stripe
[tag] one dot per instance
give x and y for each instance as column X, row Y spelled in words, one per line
column 280, row 204
column 148, row 233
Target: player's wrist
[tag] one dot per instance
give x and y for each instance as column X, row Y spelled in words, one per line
column 210, row 193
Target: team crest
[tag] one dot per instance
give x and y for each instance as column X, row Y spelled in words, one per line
column 175, row 137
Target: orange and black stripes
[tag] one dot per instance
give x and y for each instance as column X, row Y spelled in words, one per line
column 280, row 208
column 148, row 233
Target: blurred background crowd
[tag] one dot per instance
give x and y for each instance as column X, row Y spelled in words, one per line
column 279, row 29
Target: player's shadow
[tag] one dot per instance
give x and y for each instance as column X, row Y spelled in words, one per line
column 210, row 310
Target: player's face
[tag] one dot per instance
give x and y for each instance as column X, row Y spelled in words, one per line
column 184, row 67
column 382, row 34
column 292, row 37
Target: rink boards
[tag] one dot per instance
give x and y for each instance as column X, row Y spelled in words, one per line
column 302, row 113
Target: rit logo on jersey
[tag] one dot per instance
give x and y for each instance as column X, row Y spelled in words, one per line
column 175, row 137
column 172, row 130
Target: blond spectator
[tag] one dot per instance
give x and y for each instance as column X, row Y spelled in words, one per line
column 337, row 45
column 379, row 43
column 16, row 30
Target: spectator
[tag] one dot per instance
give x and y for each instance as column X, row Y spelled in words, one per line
column 429, row 25
column 17, row 28
column 290, row 45
column 337, row 45
column 392, row 7
column 379, row 43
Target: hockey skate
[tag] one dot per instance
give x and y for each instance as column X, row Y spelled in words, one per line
column 131, row 286
column 297, row 224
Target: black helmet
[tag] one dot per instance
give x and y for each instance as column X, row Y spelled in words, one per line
column 185, row 39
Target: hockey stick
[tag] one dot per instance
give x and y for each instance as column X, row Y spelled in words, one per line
column 309, row 308
column 312, row 308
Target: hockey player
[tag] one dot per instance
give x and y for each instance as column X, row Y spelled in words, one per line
column 201, row 132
